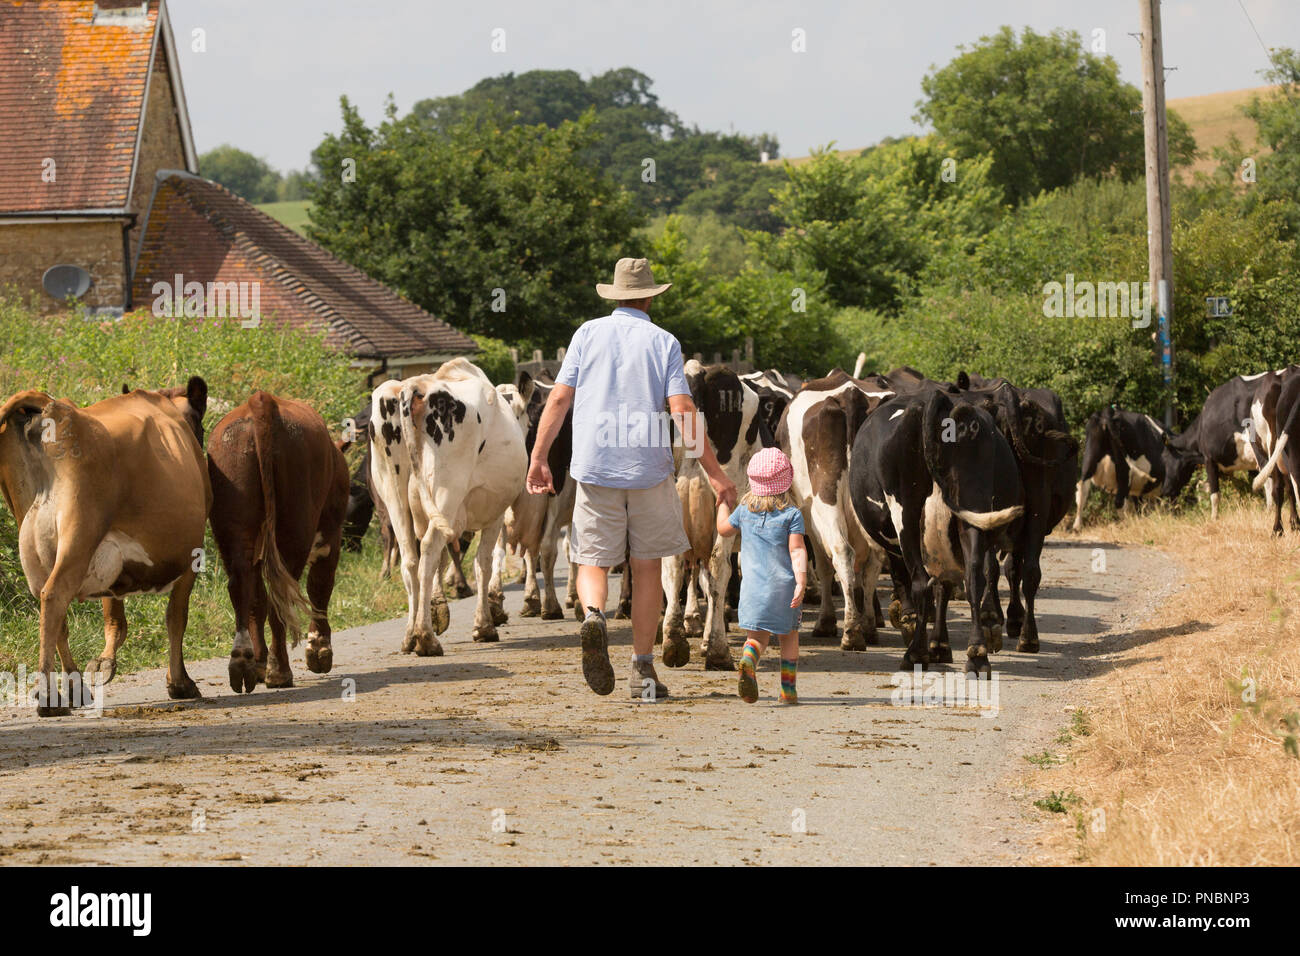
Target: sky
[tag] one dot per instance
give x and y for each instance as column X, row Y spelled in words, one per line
column 271, row 75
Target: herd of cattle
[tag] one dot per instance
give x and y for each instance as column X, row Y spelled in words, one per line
column 944, row 484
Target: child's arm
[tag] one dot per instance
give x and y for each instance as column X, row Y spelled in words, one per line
column 799, row 562
column 725, row 527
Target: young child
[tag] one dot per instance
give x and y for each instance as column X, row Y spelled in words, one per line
column 773, row 567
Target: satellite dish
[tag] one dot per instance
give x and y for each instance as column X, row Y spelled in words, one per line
column 66, row 282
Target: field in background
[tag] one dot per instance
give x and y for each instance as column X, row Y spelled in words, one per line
column 1213, row 118
column 292, row 213
column 1180, row 755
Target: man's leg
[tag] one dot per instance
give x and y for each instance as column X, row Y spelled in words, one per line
column 593, row 587
column 647, row 602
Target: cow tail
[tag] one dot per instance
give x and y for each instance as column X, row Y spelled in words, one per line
column 1283, row 435
column 282, row 591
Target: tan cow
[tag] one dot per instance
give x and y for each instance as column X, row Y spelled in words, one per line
column 110, row 500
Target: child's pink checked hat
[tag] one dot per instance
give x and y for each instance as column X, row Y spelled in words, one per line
column 769, row 473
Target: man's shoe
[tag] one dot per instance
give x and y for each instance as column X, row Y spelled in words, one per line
column 645, row 683
column 596, row 667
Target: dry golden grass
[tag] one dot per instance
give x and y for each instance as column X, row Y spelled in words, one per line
column 1214, row 118
column 1184, row 769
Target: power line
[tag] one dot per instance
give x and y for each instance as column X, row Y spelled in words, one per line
column 1251, row 21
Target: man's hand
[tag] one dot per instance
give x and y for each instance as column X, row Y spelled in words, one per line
column 539, row 478
column 725, row 490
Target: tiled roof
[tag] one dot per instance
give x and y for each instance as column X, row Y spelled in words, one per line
column 72, row 86
column 206, row 233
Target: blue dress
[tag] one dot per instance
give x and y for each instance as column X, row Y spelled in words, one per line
column 767, row 580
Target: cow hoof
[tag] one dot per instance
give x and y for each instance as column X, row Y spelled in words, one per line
column 674, row 633
column 499, row 615
column 677, row 653
column 320, row 659
column 408, row 643
column 105, row 669
column 979, row 666
column 185, row 691
column 825, row 629
column 624, row 611
column 276, row 679
column 1027, row 648
column 53, row 711
column 485, row 635
column 553, row 613
column 441, row 617
column 243, row 673
column 992, row 634
column 853, row 640
column 577, row 613
column 941, row 653
column 532, row 608
column 880, row 619
column 463, row 591
column 426, row 645
column 694, row 625
column 909, row 661
column 1014, row 627
column 896, row 613
column 722, row 662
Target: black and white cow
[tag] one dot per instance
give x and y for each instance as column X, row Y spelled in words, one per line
column 736, row 429
column 817, row 434
column 1276, row 432
column 1131, row 456
column 447, row 456
column 1221, row 434
column 774, row 394
column 935, row 484
column 537, row 521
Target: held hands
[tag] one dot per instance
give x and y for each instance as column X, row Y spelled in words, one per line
column 539, row 479
column 725, row 490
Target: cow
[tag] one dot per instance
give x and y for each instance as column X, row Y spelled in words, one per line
column 536, row 521
column 1264, row 433
column 447, row 456
column 1277, row 429
column 817, row 434
column 1221, row 434
column 110, row 500
column 736, row 430
column 1033, row 422
column 1130, row 456
column 279, row 499
column 774, row 394
column 934, row 483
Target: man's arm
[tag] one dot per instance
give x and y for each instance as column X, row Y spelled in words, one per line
column 540, row 480
column 688, row 419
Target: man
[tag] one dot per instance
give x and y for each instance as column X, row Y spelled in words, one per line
column 619, row 373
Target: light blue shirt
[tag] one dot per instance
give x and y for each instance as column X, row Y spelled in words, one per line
column 622, row 367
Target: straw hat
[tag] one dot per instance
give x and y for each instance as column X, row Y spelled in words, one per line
column 632, row 280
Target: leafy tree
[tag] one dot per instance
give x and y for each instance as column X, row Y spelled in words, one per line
column 1278, row 118
column 495, row 226
column 241, row 172
column 1048, row 112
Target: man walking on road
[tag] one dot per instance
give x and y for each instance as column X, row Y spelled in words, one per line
column 619, row 374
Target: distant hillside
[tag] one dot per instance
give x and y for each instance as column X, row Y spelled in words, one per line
column 1213, row 118
column 292, row 213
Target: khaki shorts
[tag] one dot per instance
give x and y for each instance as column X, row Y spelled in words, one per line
column 608, row 523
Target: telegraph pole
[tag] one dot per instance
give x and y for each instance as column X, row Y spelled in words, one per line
column 1160, row 253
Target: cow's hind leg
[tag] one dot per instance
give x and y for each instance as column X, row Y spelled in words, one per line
column 1031, row 576
column 243, row 669
column 104, row 667
column 940, row 649
column 320, row 586
column 974, row 545
column 179, row 684
column 826, row 625
column 278, row 671
column 990, row 606
column 485, row 612
column 677, row 649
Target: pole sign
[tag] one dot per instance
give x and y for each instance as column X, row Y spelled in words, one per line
column 1217, row 307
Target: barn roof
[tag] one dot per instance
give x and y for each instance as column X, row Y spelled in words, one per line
column 74, row 76
column 203, row 231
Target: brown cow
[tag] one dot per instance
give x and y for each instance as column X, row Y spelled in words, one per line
column 280, row 493
column 110, row 500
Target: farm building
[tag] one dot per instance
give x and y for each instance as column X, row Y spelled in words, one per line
column 99, row 172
